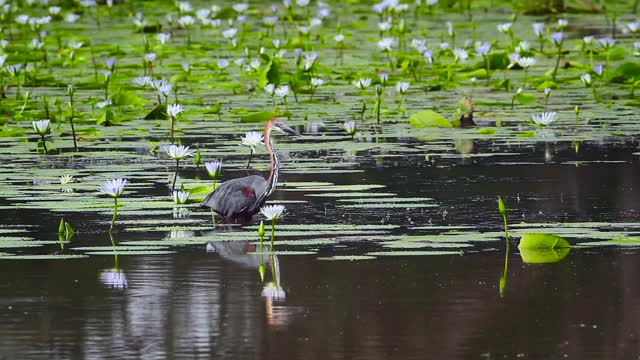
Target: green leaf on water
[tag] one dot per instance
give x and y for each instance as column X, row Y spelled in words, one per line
column 626, row 73
column 528, row 134
column 486, row 131
column 259, row 117
column 158, row 113
column 543, row 256
column 122, row 98
column 542, row 241
column 526, row 98
column 429, row 118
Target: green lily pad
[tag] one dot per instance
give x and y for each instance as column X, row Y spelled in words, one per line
column 429, row 118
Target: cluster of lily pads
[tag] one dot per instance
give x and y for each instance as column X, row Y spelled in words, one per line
column 289, row 56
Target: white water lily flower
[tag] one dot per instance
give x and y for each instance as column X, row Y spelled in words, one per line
column 522, row 46
column 384, row 26
column 538, row 29
column 184, row 6
column 338, row 38
column 587, row 39
column 165, row 89
column 71, row 18
column 163, row 38
column 544, row 118
column 75, row 45
column 143, row 81
column 222, row 63
column 547, row 92
column 586, row 79
column 151, row 57
column 180, row 197
column 103, row 104
column 54, row 10
column 252, row 139
column 504, row 28
column 525, row 62
column 174, row 110
column 41, row 127
column 483, row 48
column 562, row 23
column 270, row 20
column 36, row 44
column 598, row 69
column 65, row 179
column 270, row 89
column 634, row 26
column 186, row 21
column 282, row 91
column 362, row 83
column 272, row 212
column 315, row 82
column 350, row 127
column 402, row 87
column 240, row 7
column 178, row 152
column 315, row 22
column 607, row 42
column 113, row 188
column 386, row 44
column 302, row 3
column 384, row 77
column 460, row 54
column 213, row 168
column 229, row 33
column 557, row 38
column 310, row 59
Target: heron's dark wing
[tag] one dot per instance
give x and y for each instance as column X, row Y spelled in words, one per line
column 237, row 195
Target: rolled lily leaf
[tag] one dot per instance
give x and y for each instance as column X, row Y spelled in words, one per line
column 543, row 248
column 542, row 241
column 543, row 256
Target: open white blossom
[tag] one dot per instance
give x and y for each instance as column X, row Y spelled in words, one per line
column 272, row 212
column 252, row 139
column 178, row 152
column 362, row 83
column 174, row 110
column 544, row 118
column 41, row 127
column 113, row 188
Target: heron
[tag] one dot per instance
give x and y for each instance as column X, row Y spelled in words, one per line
column 240, row 199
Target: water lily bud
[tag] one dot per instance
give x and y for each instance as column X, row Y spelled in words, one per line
column 261, row 229
column 576, row 109
column 501, row 207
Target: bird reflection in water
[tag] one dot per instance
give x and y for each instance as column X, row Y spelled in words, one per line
column 248, row 256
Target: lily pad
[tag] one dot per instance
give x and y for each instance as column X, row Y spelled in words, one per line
column 542, row 242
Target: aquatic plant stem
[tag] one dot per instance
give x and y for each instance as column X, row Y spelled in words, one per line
column 73, row 132
column 250, row 158
column 555, row 68
column 173, row 121
column 173, row 186
column 115, row 214
column 44, row 145
column 273, row 232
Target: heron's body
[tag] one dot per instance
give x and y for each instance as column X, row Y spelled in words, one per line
column 240, row 199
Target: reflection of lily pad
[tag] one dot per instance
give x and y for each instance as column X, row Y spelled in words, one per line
column 347, row 258
column 542, row 256
column 41, row 257
column 414, row 253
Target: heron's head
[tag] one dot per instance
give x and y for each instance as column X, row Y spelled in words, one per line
column 281, row 127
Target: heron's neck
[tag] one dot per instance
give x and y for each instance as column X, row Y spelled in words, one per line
column 272, row 180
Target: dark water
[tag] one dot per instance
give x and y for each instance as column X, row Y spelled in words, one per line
column 210, row 304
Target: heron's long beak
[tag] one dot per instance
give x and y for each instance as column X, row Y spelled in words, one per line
column 288, row 130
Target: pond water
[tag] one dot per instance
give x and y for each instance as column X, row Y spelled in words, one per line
column 392, row 246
